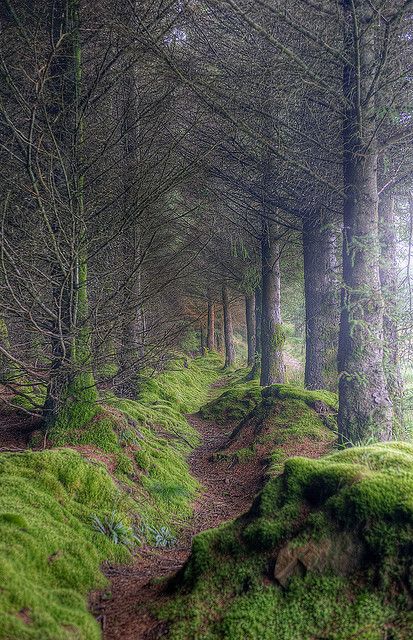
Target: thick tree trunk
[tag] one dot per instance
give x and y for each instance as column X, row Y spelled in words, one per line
column 71, row 393
column 211, row 325
column 321, row 303
column 272, row 332
column 228, row 331
column 250, row 325
column 389, row 285
column 133, row 323
column 365, row 406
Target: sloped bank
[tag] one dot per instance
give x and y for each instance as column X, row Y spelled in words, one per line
column 326, row 552
column 121, row 480
column 281, row 421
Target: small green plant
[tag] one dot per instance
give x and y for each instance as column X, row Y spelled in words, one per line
column 114, row 528
column 161, row 537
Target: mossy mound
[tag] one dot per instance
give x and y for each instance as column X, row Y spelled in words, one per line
column 325, row 552
column 234, row 404
column 288, row 420
column 146, row 441
column 50, row 550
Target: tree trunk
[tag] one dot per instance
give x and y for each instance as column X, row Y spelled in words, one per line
column 132, row 349
column 201, row 340
column 250, row 325
column 389, row 285
column 256, row 369
column 133, row 323
column 272, row 332
column 365, row 407
column 211, row 325
column 71, row 393
column 228, row 331
column 321, row 303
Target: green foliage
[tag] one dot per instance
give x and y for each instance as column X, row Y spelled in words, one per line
column 100, row 433
column 115, row 529
column 228, row 590
column 161, row 537
column 50, row 554
column 152, row 436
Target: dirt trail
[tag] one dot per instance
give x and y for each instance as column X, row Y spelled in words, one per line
column 228, row 493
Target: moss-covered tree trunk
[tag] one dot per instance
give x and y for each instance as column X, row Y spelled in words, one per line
column 71, row 392
column 250, row 326
column 228, row 330
column 211, row 324
column 272, row 332
column 321, row 302
column 365, row 407
column 389, row 285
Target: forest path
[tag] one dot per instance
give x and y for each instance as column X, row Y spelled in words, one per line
column 228, row 491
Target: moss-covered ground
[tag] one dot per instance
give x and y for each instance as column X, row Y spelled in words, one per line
column 146, row 441
column 50, row 550
column 110, row 482
column 325, row 552
column 282, row 421
column 235, row 402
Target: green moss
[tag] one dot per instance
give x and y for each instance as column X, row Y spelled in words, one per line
column 124, row 465
column 278, row 338
column 234, row 404
column 78, row 409
column 360, row 496
column 50, row 554
column 284, row 391
column 52, row 502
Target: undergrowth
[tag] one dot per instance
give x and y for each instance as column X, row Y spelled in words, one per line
column 324, row 553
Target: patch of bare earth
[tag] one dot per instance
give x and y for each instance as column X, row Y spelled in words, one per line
column 16, row 426
column 124, row 611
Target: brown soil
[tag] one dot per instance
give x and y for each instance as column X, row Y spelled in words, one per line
column 16, row 427
column 123, row 610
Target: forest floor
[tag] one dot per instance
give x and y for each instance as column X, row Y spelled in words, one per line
column 16, row 427
column 124, row 609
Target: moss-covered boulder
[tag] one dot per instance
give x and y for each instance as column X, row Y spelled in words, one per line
column 326, row 552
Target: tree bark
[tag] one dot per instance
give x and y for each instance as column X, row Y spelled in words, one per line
column 256, row 369
column 228, row 331
column 272, row 332
column 71, row 393
column 211, row 325
column 365, row 407
column 389, row 285
column 321, row 303
column 250, row 325
column 201, row 340
column 133, row 322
